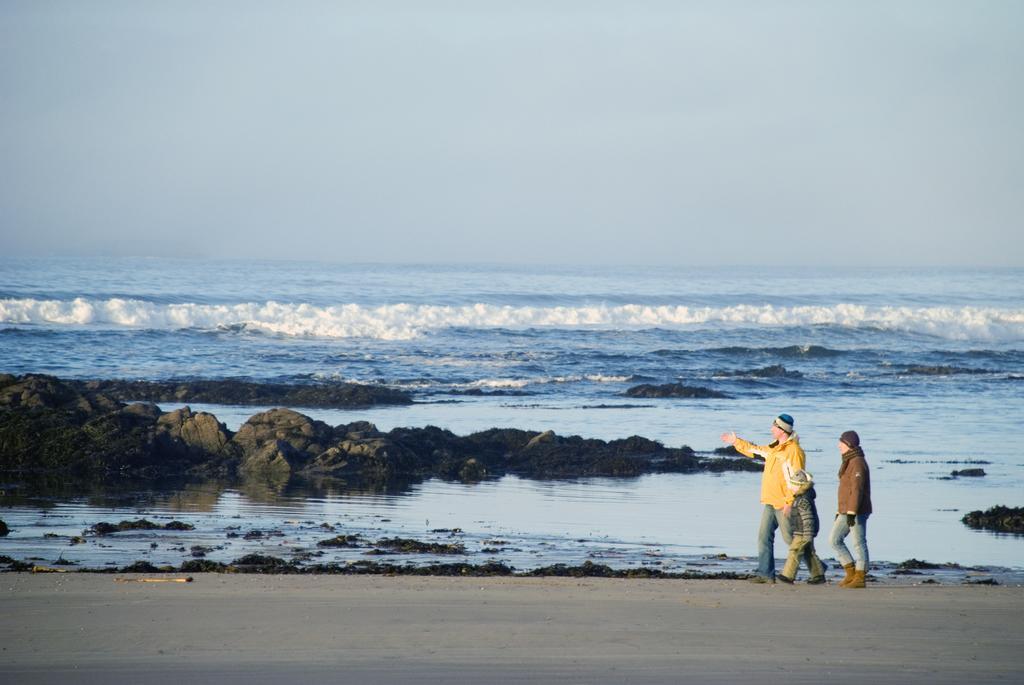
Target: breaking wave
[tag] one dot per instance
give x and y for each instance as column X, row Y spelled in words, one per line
column 407, row 321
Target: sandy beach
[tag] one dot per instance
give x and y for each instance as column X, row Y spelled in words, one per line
column 76, row 628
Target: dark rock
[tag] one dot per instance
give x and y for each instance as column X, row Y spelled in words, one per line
column 144, row 567
column 4, row 530
column 139, row 524
column 202, row 566
column 377, row 457
column 775, row 371
column 548, row 455
column 275, row 459
column 104, row 528
column 586, row 570
column 230, row 391
column 376, row 568
column 179, row 525
column 342, row 541
column 723, row 465
column 999, row 518
column 201, row 431
column 259, row 563
column 472, row 471
column 406, row 546
column 547, row 437
column 49, row 426
column 552, row 456
column 589, row 569
column 280, row 442
column 358, row 430
column 972, row 473
column 674, row 390
column 499, row 440
column 70, row 430
column 36, row 391
column 916, row 565
column 303, row 435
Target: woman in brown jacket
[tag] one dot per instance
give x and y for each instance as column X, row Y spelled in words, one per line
column 853, row 510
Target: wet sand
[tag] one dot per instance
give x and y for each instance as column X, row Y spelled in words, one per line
column 77, row 628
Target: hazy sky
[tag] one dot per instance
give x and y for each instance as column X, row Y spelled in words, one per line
column 662, row 132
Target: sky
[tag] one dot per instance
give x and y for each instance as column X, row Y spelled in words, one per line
column 732, row 133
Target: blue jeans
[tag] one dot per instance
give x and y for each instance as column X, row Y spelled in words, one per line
column 860, row 541
column 771, row 518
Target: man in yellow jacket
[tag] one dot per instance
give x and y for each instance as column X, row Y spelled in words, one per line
column 776, row 496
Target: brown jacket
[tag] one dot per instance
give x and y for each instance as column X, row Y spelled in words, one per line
column 854, row 484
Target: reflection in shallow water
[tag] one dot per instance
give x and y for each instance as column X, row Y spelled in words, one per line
column 670, row 522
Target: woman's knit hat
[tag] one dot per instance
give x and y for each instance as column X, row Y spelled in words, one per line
column 850, row 438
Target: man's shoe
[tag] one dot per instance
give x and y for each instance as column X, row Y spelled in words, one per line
column 850, row 571
column 784, row 579
column 816, row 580
column 762, row 580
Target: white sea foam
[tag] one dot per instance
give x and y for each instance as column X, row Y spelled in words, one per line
column 407, row 321
column 498, row 383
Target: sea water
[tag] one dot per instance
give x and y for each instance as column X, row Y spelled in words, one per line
column 926, row 364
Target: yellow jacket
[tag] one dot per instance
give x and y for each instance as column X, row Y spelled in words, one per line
column 774, row 490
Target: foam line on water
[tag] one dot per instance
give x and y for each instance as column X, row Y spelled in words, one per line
column 407, row 321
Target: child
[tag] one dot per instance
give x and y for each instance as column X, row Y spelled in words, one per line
column 804, row 522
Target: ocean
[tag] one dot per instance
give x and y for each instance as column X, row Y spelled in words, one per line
column 926, row 364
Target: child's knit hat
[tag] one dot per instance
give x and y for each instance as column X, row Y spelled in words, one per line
column 799, row 481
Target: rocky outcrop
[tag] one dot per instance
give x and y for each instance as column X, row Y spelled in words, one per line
column 774, row 371
column 48, row 426
column 280, row 442
column 1000, row 519
column 200, row 431
column 674, row 390
column 36, row 391
column 300, row 432
column 230, row 391
column 105, row 528
column 379, row 457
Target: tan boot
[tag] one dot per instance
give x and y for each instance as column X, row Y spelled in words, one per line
column 858, row 579
column 849, row 568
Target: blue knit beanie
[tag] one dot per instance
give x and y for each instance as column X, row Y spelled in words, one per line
column 785, row 422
